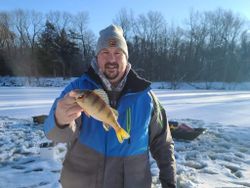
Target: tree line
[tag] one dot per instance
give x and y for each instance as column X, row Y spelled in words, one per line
column 35, row 44
column 209, row 46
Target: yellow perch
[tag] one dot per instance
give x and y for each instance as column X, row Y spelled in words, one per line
column 96, row 104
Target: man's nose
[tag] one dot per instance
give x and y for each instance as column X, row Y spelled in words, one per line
column 112, row 57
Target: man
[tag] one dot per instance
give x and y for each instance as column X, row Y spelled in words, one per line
column 95, row 158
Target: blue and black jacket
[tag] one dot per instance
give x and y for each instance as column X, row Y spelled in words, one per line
column 96, row 159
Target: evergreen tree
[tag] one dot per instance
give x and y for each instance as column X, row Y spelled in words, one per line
column 4, row 68
column 46, row 51
column 56, row 53
column 67, row 52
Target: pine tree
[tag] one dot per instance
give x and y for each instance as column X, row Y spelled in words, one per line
column 57, row 54
column 46, row 51
column 67, row 52
column 4, row 68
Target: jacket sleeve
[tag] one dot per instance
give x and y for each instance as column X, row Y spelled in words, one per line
column 69, row 132
column 162, row 145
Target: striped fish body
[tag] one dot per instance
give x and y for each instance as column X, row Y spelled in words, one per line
column 95, row 104
column 96, row 107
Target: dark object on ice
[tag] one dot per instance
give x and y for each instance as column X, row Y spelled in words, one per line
column 39, row 119
column 183, row 131
column 46, row 144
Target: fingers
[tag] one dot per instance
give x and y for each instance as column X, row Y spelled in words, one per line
column 67, row 109
column 69, row 98
column 65, row 114
column 73, row 109
column 75, row 116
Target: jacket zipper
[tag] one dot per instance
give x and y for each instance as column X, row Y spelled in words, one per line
column 128, row 122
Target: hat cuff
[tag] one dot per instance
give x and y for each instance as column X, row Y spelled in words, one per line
column 120, row 44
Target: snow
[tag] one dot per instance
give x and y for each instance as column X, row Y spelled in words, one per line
column 221, row 156
column 226, row 107
column 218, row 158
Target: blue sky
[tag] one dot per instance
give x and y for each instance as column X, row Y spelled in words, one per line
column 101, row 13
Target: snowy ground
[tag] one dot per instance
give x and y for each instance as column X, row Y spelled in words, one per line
column 218, row 158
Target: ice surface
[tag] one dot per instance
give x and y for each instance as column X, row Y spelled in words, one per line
column 218, row 158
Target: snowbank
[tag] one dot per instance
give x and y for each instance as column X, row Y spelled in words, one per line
column 7, row 81
column 202, row 85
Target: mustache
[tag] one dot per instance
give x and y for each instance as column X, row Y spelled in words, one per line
column 114, row 64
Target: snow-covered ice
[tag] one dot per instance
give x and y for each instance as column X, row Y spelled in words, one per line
column 218, row 158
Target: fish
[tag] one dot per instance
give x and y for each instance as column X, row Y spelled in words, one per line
column 95, row 103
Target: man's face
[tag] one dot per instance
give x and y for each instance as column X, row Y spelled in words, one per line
column 112, row 62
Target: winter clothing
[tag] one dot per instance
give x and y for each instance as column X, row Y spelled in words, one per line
column 113, row 92
column 106, row 82
column 95, row 158
column 112, row 36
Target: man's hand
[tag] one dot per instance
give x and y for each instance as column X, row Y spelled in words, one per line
column 67, row 109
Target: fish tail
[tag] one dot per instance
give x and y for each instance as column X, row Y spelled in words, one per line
column 121, row 134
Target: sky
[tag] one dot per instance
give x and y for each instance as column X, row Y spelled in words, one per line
column 102, row 13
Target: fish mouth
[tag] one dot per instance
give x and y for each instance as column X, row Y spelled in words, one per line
column 79, row 100
column 79, row 93
column 80, row 97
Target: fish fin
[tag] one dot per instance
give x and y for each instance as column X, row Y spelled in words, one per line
column 115, row 113
column 121, row 135
column 106, row 126
column 101, row 93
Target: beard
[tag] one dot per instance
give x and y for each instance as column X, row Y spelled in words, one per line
column 111, row 70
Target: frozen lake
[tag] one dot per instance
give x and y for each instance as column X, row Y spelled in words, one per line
column 218, row 158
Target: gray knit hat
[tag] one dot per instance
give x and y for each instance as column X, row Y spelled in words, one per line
column 112, row 36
